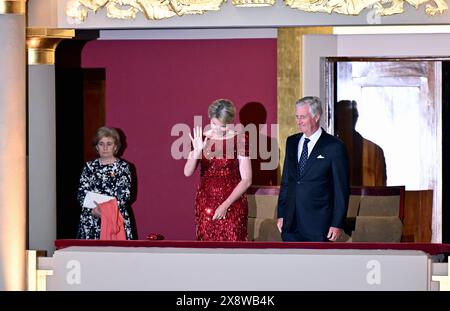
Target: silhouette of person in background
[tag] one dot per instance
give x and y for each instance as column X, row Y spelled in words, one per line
column 367, row 162
column 261, row 152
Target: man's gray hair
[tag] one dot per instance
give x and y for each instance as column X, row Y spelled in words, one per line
column 314, row 103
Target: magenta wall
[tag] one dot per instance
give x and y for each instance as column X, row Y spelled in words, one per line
column 152, row 85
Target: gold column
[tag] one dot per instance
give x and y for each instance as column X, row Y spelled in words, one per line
column 42, row 42
column 13, row 7
column 290, row 79
column 13, row 167
column 36, row 278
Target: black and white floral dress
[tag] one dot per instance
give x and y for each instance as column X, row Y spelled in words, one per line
column 110, row 179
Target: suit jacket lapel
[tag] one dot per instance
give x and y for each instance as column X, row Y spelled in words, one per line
column 293, row 152
column 294, row 148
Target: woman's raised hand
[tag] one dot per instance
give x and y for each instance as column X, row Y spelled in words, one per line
column 197, row 141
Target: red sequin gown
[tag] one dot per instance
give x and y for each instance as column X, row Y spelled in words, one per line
column 219, row 175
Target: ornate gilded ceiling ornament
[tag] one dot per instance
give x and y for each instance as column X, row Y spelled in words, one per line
column 354, row 7
column 160, row 9
column 347, row 7
column 396, row 6
column 152, row 9
column 253, row 3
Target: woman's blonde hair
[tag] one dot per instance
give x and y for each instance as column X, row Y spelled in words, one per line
column 223, row 110
column 107, row 132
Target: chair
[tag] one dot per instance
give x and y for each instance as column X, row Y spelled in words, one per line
column 376, row 213
column 262, row 213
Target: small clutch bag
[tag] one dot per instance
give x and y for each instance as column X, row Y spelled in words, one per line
column 155, row 236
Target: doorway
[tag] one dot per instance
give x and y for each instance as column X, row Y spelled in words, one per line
column 388, row 113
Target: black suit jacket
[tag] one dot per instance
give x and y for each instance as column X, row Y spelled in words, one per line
column 317, row 200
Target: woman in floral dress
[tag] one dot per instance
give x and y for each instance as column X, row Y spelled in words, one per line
column 107, row 175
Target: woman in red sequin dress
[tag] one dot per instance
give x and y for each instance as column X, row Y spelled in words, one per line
column 221, row 210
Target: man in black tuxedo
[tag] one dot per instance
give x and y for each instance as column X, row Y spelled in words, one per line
column 312, row 205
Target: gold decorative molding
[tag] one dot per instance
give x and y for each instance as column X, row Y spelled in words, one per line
column 290, row 79
column 13, row 7
column 396, row 6
column 42, row 42
column 128, row 9
column 253, row 3
column 78, row 10
column 354, row 7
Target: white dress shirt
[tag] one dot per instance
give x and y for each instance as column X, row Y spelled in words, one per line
column 312, row 142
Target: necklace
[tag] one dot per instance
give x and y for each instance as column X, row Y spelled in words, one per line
column 107, row 161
